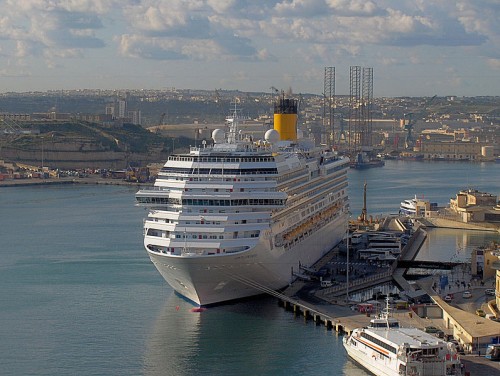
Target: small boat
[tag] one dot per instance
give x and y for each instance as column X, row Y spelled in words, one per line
column 363, row 162
column 408, row 207
column 386, row 349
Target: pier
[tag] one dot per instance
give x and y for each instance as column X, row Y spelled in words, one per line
column 331, row 308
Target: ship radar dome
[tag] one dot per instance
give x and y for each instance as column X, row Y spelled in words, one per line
column 218, row 136
column 272, row 136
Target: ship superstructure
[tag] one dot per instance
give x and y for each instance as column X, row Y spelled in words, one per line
column 236, row 218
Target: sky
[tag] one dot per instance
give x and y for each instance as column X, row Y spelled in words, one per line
column 416, row 48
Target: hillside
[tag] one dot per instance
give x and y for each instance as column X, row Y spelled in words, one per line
column 72, row 145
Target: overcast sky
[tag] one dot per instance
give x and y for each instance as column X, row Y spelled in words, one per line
column 415, row 47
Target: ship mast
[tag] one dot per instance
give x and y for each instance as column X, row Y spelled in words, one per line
column 232, row 119
column 363, row 211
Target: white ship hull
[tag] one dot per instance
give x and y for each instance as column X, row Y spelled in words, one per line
column 386, row 349
column 237, row 218
column 218, row 278
column 377, row 367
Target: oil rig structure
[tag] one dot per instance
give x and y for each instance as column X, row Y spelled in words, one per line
column 356, row 141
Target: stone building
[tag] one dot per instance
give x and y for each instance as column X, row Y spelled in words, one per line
column 475, row 206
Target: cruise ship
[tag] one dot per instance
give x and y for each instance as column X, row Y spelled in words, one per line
column 238, row 217
column 386, row 349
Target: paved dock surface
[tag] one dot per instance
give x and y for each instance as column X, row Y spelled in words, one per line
column 335, row 309
column 480, row 366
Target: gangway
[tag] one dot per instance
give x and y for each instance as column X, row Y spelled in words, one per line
column 421, row 264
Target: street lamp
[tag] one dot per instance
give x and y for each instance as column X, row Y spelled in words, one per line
column 347, row 264
column 347, row 268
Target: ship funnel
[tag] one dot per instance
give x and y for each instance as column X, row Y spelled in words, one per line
column 285, row 118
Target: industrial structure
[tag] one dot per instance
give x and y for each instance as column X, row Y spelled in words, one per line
column 366, row 110
column 329, row 106
column 360, row 109
column 354, row 120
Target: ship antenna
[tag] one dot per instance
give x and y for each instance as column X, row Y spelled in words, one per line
column 233, row 124
column 387, row 311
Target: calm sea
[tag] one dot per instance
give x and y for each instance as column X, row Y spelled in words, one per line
column 79, row 296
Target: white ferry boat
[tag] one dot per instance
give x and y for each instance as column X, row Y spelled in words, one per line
column 386, row 349
column 408, row 207
column 238, row 218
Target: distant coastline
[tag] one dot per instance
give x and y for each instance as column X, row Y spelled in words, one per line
column 67, row 180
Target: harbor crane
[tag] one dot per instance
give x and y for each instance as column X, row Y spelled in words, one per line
column 409, row 140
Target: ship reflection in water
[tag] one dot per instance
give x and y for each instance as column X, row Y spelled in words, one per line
column 244, row 338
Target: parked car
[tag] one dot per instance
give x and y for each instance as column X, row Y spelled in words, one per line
column 448, row 298
column 490, row 292
column 431, row 329
column 467, row 295
column 480, row 312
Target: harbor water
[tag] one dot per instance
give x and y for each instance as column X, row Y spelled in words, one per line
column 80, row 296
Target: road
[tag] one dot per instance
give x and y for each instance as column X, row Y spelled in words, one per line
column 478, row 300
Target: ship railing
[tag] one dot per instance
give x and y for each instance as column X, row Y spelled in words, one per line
column 211, row 252
column 154, row 189
column 302, row 231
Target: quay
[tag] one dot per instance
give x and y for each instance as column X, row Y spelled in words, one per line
column 66, row 180
column 331, row 308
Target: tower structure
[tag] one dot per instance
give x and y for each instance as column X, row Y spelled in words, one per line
column 366, row 110
column 354, row 109
column 329, row 106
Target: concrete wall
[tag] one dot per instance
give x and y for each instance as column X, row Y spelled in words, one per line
column 430, row 311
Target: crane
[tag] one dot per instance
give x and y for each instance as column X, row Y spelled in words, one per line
column 162, row 117
column 409, row 140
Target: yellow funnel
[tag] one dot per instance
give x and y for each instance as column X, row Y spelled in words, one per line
column 285, row 119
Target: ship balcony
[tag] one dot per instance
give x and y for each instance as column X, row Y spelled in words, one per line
column 203, row 241
column 153, row 188
column 199, row 249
